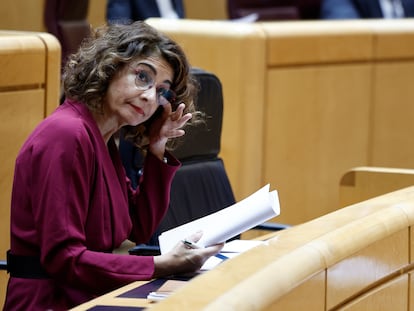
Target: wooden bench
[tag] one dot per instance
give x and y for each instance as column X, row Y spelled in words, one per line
column 29, row 91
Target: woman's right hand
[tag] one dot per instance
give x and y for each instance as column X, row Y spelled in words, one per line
column 184, row 259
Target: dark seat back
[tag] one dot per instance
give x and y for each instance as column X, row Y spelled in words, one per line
column 203, row 142
column 265, row 9
column 201, row 186
column 274, row 9
column 67, row 21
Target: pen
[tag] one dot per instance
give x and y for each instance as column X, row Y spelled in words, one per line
column 192, row 245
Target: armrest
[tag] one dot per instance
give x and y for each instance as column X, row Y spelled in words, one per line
column 271, row 226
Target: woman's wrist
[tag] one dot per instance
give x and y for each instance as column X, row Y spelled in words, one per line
column 164, row 265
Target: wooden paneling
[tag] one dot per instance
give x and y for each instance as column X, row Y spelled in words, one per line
column 317, row 43
column 393, row 129
column 315, row 129
column 22, row 15
column 97, row 13
column 212, row 9
column 30, row 73
column 310, row 295
column 411, row 289
column 394, row 39
column 359, row 271
column 390, row 296
column 333, row 95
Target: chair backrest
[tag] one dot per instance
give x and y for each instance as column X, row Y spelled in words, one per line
column 274, row 9
column 67, row 20
column 201, row 186
column 203, row 142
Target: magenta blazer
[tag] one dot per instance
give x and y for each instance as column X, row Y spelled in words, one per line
column 72, row 205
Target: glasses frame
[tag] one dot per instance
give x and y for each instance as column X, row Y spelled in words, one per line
column 164, row 94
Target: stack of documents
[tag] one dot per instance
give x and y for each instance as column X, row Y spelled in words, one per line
column 226, row 223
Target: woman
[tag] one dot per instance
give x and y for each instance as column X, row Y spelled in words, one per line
column 72, row 203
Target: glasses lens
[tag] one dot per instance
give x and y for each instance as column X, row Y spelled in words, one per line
column 144, row 79
column 165, row 96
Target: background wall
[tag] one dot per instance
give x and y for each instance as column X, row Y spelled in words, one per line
column 28, row 15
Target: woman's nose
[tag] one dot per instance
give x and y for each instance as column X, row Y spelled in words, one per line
column 150, row 95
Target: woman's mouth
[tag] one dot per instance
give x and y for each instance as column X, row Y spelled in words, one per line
column 138, row 110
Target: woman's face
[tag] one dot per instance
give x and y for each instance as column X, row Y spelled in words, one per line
column 133, row 94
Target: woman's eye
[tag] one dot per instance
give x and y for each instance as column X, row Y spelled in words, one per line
column 143, row 77
column 165, row 96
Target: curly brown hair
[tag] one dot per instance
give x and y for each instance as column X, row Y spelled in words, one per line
column 88, row 73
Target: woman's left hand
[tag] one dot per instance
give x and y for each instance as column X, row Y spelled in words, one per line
column 167, row 126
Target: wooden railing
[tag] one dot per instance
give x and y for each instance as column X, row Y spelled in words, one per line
column 356, row 258
column 365, row 182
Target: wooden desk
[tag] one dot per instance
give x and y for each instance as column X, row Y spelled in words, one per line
column 358, row 258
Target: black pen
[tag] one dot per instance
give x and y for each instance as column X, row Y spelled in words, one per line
column 195, row 246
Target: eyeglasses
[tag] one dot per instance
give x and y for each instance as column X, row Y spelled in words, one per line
column 145, row 80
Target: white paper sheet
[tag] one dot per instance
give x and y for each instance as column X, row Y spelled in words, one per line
column 231, row 250
column 226, row 223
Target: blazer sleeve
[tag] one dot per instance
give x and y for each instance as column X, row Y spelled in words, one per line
column 61, row 187
column 150, row 202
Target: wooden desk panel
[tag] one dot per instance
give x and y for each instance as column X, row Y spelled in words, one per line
column 392, row 126
column 29, row 73
column 310, row 295
column 390, row 296
column 355, row 274
column 310, row 42
column 394, row 39
column 316, row 127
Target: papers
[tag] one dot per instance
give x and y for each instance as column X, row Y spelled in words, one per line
column 240, row 246
column 226, row 223
column 165, row 290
